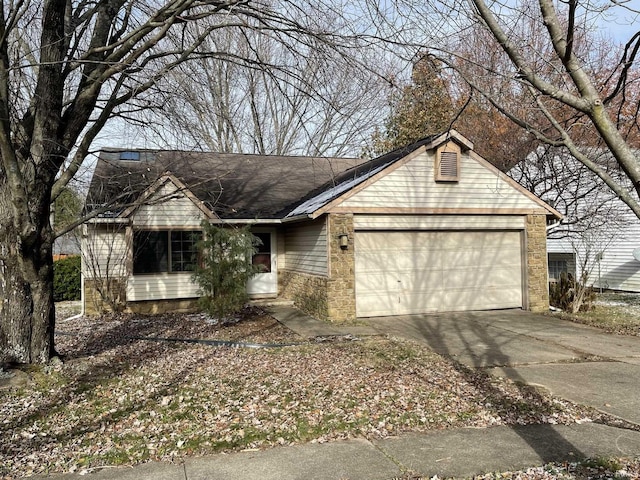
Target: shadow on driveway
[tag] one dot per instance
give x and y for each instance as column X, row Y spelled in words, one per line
column 489, row 339
column 482, row 339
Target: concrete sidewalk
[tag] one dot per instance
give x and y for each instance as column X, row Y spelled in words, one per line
column 309, row 327
column 529, row 348
column 456, row 453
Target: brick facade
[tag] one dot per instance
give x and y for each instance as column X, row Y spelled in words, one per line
column 537, row 273
column 96, row 303
column 153, row 307
column 308, row 292
column 330, row 297
column 341, row 289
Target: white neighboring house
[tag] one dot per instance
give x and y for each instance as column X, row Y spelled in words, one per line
column 597, row 237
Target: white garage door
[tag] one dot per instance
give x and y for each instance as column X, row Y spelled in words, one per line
column 418, row 272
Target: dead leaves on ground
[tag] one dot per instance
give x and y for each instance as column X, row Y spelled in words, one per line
column 119, row 400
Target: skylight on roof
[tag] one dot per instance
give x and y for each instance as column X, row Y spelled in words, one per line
column 131, row 156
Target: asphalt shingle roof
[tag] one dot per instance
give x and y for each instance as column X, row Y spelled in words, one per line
column 237, row 186
column 233, row 185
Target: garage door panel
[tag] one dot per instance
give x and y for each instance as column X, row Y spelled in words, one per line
column 376, row 283
column 379, row 282
column 401, row 240
column 482, row 256
column 397, row 261
column 456, row 278
column 482, row 299
column 419, row 272
column 421, row 282
column 415, row 303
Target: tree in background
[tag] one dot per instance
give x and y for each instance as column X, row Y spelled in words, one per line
column 282, row 103
column 422, row 108
column 593, row 216
column 496, row 138
column 434, row 102
column 66, row 209
column 576, row 90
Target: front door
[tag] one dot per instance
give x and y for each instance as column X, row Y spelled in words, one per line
column 264, row 284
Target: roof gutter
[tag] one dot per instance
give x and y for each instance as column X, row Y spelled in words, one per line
column 117, row 220
column 295, row 218
column 554, row 225
column 245, row 221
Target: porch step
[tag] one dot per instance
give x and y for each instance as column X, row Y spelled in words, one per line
column 271, row 302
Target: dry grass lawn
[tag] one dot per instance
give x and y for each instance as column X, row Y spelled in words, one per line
column 614, row 312
column 119, row 399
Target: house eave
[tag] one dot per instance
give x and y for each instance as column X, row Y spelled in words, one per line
column 109, row 220
column 297, row 218
column 246, row 221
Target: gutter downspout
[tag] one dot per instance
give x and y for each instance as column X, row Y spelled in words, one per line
column 553, row 225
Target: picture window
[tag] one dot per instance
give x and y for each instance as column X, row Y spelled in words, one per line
column 165, row 251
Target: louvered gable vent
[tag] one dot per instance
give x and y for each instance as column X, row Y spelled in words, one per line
column 447, row 167
column 449, row 164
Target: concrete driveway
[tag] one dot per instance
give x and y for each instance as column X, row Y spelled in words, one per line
column 577, row 362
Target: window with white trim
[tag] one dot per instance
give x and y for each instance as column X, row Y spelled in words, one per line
column 556, row 269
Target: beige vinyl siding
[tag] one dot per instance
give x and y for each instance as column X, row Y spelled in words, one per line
column 168, row 207
column 105, row 251
column 161, row 286
column 413, row 186
column 306, row 247
column 439, row 222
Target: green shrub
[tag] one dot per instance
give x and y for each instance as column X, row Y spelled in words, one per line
column 66, row 279
column 225, row 268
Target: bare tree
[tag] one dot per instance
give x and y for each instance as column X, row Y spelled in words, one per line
column 105, row 254
column 575, row 85
column 593, row 216
column 321, row 103
column 68, row 67
column 571, row 188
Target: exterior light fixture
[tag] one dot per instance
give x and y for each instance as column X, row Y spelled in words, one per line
column 344, row 241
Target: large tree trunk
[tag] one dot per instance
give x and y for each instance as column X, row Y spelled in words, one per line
column 27, row 316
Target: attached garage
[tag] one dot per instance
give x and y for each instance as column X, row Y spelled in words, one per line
column 410, row 272
column 432, row 227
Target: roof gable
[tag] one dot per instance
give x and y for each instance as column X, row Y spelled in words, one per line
column 411, row 187
column 158, row 193
column 404, row 180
